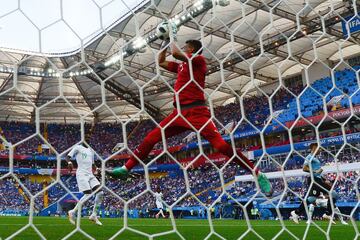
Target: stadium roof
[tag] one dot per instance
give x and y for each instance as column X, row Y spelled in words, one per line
column 292, row 36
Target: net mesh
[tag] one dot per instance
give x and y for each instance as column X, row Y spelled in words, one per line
column 254, row 52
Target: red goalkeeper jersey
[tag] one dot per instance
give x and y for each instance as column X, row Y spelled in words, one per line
column 192, row 92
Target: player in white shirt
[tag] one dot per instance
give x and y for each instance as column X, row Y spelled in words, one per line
column 159, row 204
column 86, row 181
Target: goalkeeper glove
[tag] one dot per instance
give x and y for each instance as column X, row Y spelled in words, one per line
column 165, row 44
column 173, row 29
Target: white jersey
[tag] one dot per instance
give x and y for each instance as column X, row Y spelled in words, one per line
column 158, row 198
column 321, row 202
column 84, row 158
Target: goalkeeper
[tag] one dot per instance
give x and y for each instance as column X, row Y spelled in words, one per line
column 189, row 93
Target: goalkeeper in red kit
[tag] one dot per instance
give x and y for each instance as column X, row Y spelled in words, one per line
column 192, row 106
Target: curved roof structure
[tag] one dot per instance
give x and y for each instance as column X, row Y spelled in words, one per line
column 246, row 44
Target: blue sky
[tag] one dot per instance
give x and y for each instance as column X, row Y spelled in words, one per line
column 54, row 26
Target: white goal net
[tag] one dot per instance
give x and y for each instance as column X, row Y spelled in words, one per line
column 207, row 119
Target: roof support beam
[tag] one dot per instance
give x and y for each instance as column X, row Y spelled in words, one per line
column 37, row 99
column 79, row 87
column 124, row 94
column 306, row 21
column 82, row 92
column 9, row 77
column 219, row 32
column 6, row 82
column 38, row 94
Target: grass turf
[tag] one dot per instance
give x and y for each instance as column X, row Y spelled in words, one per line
column 58, row 227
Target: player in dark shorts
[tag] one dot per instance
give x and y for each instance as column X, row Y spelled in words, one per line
column 318, row 194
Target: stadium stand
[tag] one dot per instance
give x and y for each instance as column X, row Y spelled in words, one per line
column 204, row 180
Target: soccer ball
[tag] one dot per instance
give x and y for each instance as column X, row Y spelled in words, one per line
column 162, row 30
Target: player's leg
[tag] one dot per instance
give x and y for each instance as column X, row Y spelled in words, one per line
column 72, row 212
column 160, row 206
column 198, row 118
column 295, row 214
column 158, row 214
column 162, row 213
column 313, row 201
column 311, row 212
column 84, row 187
column 324, row 187
column 148, row 143
column 82, row 200
column 329, row 209
column 337, row 211
column 99, row 194
column 141, row 153
column 97, row 202
column 313, row 192
column 94, row 183
column 223, row 147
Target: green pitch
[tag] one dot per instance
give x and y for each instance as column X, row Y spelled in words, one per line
column 57, row 228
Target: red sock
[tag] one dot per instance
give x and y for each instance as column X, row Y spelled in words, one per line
column 243, row 161
column 141, row 152
column 131, row 163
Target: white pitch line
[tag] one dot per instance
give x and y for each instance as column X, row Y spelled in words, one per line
column 158, row 225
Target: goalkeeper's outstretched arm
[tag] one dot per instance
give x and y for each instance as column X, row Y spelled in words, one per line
column 162, row 55
column 177, row 53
